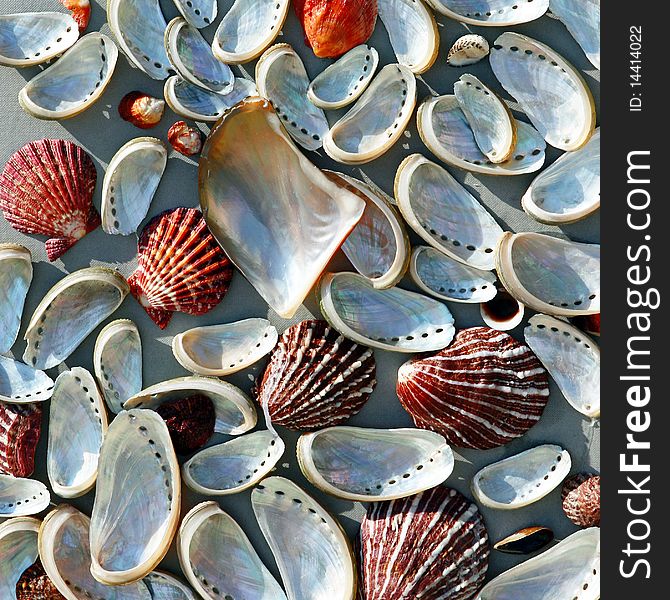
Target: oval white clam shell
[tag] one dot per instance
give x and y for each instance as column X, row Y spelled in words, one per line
column 199, row 13
column 16, row 275
column 224, row 349
column 163, row 586
column 18, row 551
column 582, row 18
column 572, row 359
column 215, row 554
column 20, row 497
column 491, row 13
column 73, row 83
column 20, row 383
column 521, row 479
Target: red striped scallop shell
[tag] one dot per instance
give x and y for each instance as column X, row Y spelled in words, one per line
column 482, row 391
column 432, row 546
column 581, row 499
column 20, row 427
column 47, row 188
column 180, row 267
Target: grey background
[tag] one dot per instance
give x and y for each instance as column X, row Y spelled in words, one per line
column 101, row 132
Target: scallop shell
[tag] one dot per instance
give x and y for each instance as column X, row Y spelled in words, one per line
column 72, row 460
column 16, row 274
column 569, row 189
column 376, row 121
column 432, row 545
column 282, row 79
column 550, row 275
column 199, row 13
column 180, row 267
column 582, row 18
column 581, row 499
column 467, row 50
column 369, row 465
column 504, row 312
column 491, row 13
column 20, row 427
column 20, row 497
column 35, row 583
column 142, row 110
column 285, row 513
column 218, row 558
column 483, row 391
column 20, row 383
column 130, row 183
column 282, row 230
column 163, row 586
column 445, row 131
column 392, row 319
column 31, row 38
column 71, row 310
column 345, row 80
column 127, row 539
column 18, row 551
column 224, row 349
column 525, row 541
column 445, row 214
column 47, row 188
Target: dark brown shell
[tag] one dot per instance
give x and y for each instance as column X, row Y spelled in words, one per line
column 190, row 422
column 525, row 541
column 483, row 391
column 581, row 499
column 36, row 585
column 316, row 377
column 20, row 426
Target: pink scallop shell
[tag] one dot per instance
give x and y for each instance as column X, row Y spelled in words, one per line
column 20, row 427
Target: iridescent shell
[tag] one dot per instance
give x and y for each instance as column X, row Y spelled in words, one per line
column 16, row 274
column 483, row 391
column 35, row 583
column 185, row 139
column 316, row 377
column 180, row 267
column 20, row 496
column 20, row 383
column 199, row 13
column 432, row 545
column 163, row 586
column 18, row 551
column 142, row 110
column 491, row 13
column 581, row 499
column 582, row 18
column 47, row 188
column 190, row 421
column 20, row 426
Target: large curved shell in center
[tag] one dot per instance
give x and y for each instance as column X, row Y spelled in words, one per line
column 18, row 551
column 491, row 13
column 16, row 274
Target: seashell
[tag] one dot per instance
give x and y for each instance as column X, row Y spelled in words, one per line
column 282, row 231
column 333, row 28
column 180, row 267
column 218, row 558
column 139, row 27
column 72, row 461
column 28, row 39
column 588, row 323
column 431, row 545
column 369, row 465
column 66, row 557
column 193, row 60
column 569, row 189
column 18, row 551
column 285, row 513
column 378, row 247
column 571, row 569
column 444, row 129
column 22, row 384
column 445, row 214
column 550, row 275
column 20, row 427
column 16, row 274
column 163, row 586
column 71, row 310
column 503, row 312
column 489, row 118
column 583, row 22
column 193, row 102
column 491, row 13
column 391, row 319
column 224, row 349
column 483, row 391
column 189, row 420
column 547, row 88
column 130, row 183
column 522, row 479
column 248, row 28
column 467, row 50
column 142, row 110
column 199, row 13
column 235, row 412
column 36, row 585
column 74, row 83
column 447, row 279
column 345, row 80
column 127, row 539
column 282, row 79
column 572, row 359
column 80, row 11
column 376, row 121
column 20, row 497
column 412, row 32
column 525, row 541
column 185, row 139
column 581, row 499
column 47, row 188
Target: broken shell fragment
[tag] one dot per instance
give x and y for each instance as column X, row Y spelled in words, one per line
column 491, row 13
column 18, row 551
column 20, row 383
column 525, row 541
column 20, row 497
column 582, row 18
column 185, row 139
column 467, row 50
column 503, row 312
column 16, row 274
column 142, row 110
column 581, row 499
column 36, row 585
column 20, row 427
column 199, row 13
column 163, row 586
column 190, row 421
column 80, row 11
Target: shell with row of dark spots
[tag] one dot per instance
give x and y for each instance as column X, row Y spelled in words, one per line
column 190, row 422
column 20, row 427
column 36, row 585
column 432, row 546
column 581, row 499
column 47, row 188
column 180, row 267
column 482, row 391
column 316, row 377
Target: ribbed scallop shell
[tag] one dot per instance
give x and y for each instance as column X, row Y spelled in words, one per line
column 20, row 427
column 16, row 274
column 47, row 188
column 36, row 585
column 18, row 552
column 163, row 586
column 20, row 496
column 190, row 421
column 491, row 13
column 483, row 391
column 581, row 499
column 316, row 377
column 432, row 545
column 180, row 267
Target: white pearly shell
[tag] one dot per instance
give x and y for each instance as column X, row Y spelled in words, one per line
column 21, row 384
column 20, row 497
column 18, row 551
column 16, row 275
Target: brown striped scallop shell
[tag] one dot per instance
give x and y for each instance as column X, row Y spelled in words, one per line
column 482, row 391
column 581, row 499
column 432, row 546
column 316, row 377
column 20, row 427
